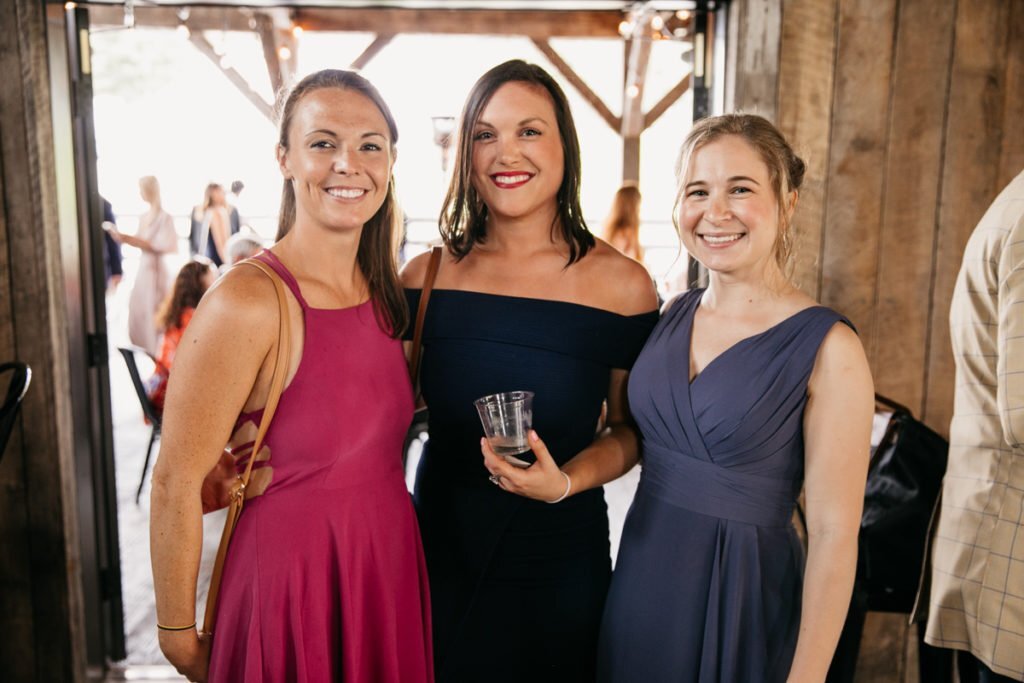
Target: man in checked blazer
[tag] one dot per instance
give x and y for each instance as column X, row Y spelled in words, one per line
column 977, row 593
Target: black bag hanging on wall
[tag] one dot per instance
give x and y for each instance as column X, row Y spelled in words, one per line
column 904, row 480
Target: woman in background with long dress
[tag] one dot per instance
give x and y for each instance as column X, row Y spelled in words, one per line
column 155, row 239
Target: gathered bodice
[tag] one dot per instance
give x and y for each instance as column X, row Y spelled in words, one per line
column 730, row 440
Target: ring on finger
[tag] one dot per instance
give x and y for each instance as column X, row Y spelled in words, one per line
column 495, row 479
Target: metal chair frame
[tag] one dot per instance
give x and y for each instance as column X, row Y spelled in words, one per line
column 148, row 409
column 20, row 380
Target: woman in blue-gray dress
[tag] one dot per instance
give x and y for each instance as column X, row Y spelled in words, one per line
column 745, row 391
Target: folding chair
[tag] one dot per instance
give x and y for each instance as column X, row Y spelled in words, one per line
column 147, row 407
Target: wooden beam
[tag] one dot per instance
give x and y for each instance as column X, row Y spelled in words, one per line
column 204, row 46
column 199, row 18
column 268, row 38
column 639, row 56
column 581, row 86
column 667, row 101
column 532, row 23
column 379, row 43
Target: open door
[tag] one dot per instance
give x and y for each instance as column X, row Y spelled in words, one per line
column 82, row 247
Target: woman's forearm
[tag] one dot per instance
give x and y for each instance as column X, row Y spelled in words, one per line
column 828, row 585
column 607, row 459
column 176, row 539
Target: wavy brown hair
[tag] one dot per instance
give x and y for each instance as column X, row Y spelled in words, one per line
column 378, row 244
column 187, row 291
column 785, row 169
column 624, row 220
column 463, row 220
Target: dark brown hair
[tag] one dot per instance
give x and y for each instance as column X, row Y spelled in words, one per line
column 187, row 291
column 785, row 168
column 378, row 245
column 463, row 220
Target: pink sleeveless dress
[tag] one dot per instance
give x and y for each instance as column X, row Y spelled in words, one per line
column 325, row 577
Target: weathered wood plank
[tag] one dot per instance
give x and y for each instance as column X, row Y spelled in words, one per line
column 805, row 85
column 755, row 27
column 40, row 339
column 970, row 175
column 920, row 86
column 853, row 214
column 1012, row 161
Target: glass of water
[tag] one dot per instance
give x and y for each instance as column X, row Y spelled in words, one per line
column 507, row 418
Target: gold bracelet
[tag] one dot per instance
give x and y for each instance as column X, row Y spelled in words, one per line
column 176, row 628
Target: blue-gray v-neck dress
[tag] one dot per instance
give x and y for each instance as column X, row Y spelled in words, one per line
column 709, row 575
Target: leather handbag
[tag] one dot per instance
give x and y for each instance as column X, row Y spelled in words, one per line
column 421, row 417
column 904, row 479
column 237, row 490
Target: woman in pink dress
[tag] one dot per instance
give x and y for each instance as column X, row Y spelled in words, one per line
column 325, row 577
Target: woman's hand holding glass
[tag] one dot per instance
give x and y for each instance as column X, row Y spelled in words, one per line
column 543, row 480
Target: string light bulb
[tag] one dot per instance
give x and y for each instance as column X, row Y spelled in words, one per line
column 284, row 53
column 297, row 31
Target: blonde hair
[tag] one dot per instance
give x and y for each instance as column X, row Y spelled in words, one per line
column 785, row 169
column 151, row 186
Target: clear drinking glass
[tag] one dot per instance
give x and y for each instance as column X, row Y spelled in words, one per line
column 507, row 418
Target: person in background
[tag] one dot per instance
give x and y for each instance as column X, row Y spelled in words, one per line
column 977, row 578
column 237, row 219
column 324, row 579
column 746, row 391
column 622, row 227
column 156, row 239
column 112, row 266
column 210, row 225
column 525, row 299
column 194, row 278
column 242, row 245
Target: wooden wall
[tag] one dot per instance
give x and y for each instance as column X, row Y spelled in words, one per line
column 909, row 114
column 41, row 616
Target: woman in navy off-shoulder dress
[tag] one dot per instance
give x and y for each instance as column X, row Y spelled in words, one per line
column 745, row 392
column 525, row 299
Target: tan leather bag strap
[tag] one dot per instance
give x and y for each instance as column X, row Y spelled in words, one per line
column 421, row 315
column 238, row 492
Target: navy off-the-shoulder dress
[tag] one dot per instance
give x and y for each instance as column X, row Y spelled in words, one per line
column 517, row 586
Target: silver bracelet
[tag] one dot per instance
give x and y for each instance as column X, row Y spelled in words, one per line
column 568, row 487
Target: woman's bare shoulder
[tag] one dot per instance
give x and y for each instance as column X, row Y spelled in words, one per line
column 414, row 272
column 620, row 283
column 242, row 298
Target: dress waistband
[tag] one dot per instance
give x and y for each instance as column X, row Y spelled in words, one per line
column 709, row 489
